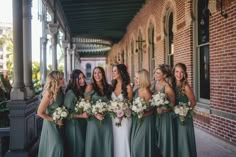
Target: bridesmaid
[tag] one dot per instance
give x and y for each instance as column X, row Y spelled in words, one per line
column 165, row 128
column 122, row 91
column 51, row 143
column 142, row 133
column 75, row 128
column 99, row 138
column 186, row 145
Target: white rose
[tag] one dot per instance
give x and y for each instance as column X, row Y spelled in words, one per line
column 64, row 114
column 177, row 110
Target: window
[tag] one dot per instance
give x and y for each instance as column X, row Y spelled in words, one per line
column 169, row 39
column 122, row 56
column 126, row 56
column 203, row 51
column 140, row 50
column 88, row 70
column 132, row 60
column 151, row 49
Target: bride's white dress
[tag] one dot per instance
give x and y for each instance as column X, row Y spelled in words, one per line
column 121, row 134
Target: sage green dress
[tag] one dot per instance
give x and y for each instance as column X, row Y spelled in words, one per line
column 99, row 137
column 142, row 136
column 186, row 145
column 51, row 143
column 166, row 133
column 75, row 129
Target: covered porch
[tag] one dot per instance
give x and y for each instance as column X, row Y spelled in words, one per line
column 140, row 34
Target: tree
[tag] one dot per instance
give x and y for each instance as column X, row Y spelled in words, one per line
column 36, row 77
column 7, row 40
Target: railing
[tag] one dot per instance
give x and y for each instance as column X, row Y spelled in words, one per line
column 4, row 130
column 4, row 109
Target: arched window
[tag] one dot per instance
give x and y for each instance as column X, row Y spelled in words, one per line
column 202, row 51
column 169, row 39
column 140, row 50
column 132, row 60
column 151, row 49
column 122, row 56
column 126, row 56
column 88, row 71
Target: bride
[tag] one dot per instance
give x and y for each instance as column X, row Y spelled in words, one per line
column 122, row 91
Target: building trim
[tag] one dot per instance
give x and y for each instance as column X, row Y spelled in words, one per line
column 223, row 114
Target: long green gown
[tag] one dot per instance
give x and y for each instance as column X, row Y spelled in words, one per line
column 99, row 137
column 142, row 136
column 75, row 129
column 186, row 145
column 51, row 143
column 166, row 133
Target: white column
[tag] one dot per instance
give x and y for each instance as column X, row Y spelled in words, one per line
column 77, row 60
column 73, row 57
column 43, row 59
column 69, row 61
column 43, row 42
column 18, row 90
column 65, row 46
column 27, row 50
column 53, row 27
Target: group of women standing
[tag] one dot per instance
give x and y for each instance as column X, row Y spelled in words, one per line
column 155, row 136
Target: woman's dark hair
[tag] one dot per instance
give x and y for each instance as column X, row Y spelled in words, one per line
column 184, row 80
column 106, row 86
column 78, row 90
column 166, row 70
column 122, row 70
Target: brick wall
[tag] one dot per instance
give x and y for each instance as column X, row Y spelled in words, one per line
column 223, row 128
column 155, row 12
column 219, row 121
column 223, row 70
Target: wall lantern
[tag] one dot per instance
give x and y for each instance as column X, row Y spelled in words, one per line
column 225, row 15
column 140, row 42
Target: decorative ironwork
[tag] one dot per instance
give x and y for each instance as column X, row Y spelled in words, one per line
column 91, row 46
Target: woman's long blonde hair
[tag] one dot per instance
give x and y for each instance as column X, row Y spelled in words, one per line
column 144, row 79
column 52, row 85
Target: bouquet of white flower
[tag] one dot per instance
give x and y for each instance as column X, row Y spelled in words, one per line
column 83, row 106
column 160, row 100
column 183, row 111
column 139, row 106
column 60, row 113
column 99, row 107
column 119, row 110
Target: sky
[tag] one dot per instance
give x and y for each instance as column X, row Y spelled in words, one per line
column 5, row 10
column 6, row 17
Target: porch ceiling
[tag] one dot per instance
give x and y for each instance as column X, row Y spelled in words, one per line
column 103, row 19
